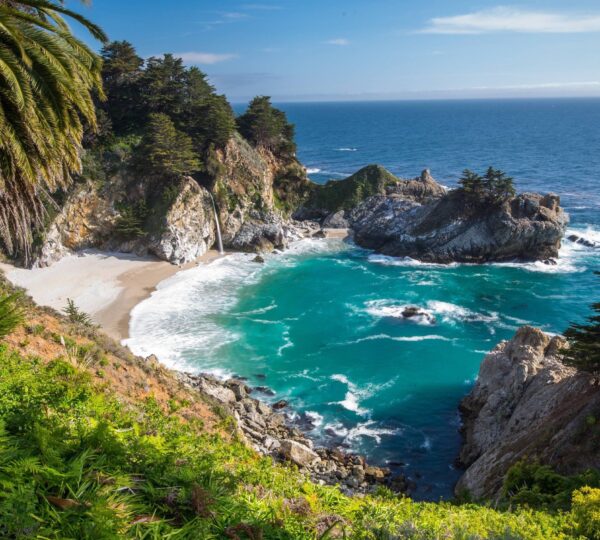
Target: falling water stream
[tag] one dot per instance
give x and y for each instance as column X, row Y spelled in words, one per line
column 219, row 237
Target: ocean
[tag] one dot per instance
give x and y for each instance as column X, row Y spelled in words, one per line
column 320, row 325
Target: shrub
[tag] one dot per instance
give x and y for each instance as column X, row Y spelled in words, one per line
column 75, row 315
column 11, row 313
column 586, row 512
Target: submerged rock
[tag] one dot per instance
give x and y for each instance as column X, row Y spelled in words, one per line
column 527, row 404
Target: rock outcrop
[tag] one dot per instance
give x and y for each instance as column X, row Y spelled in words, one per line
column 187, row 229
column 431, row 226
column 526, row 404
column 334, row 200
column 255, row 192
column 271, row 432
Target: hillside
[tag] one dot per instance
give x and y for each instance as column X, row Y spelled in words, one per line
column 97, row 443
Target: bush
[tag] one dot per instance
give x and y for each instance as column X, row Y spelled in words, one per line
column 75, row 315
column 586, row 512
column 11, row 313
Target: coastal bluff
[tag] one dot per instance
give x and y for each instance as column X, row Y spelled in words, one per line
column 420, row 219
column 527, row 405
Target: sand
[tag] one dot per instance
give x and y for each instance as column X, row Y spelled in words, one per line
column 107, row 286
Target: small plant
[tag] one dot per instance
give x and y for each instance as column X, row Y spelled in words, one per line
column 11, row 313
column 75, row 315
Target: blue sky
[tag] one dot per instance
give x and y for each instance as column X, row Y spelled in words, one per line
column 370, row 49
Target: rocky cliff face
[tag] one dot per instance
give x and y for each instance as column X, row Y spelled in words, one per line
column 527, row 404
column 253, row 190
column 255, row 193
column 182, row 231
column 421, row 222
column 188, row 227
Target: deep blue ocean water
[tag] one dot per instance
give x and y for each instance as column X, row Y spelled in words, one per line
column 320, row 323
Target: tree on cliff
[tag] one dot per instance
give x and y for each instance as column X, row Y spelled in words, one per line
column 493, row 187
column 264, row 125
column 584, row 340
column 164, row 150
column 121, row 73
column 47, row 77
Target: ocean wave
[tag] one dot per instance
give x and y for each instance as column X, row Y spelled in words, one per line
column 451, row 313
column 287, row 343
column 376, row 337
column 315, row 418
column 346, row 149
column 370, row 429
column 386, row 260
column 312, row 170
column 355, row 394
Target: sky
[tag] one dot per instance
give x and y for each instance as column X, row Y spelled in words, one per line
column 318, row 50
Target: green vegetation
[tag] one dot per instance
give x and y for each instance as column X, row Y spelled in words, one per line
column 75, row 462
column 348, row 193
column 165, row 152
column 11, row 313
column 75, row 315
column 265, row 126
column 584, row 343
column 539, row 486
column 493, row 187
column 47, row 76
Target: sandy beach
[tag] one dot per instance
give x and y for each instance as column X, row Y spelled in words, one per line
column 107, row 286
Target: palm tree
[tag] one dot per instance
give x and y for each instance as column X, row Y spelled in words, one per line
column 47, row 81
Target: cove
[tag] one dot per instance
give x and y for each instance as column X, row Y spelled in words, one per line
column 321, row 325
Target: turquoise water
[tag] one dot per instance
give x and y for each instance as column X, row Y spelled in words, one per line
column 320, row 323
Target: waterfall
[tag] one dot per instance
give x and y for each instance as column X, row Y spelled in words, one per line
column 219, row 237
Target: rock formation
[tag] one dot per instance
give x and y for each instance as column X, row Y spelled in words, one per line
column 187, row 230
column 254, row 193
column 526, row 404
column 270, row 432
column 444, row 228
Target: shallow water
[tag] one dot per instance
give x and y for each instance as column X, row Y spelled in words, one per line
column 321, row 325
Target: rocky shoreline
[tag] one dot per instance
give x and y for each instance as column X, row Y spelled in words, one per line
column 271, row 432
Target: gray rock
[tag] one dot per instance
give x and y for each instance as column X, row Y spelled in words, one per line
column 336, row 220
column 525, row 404
column 298, row 453
column 445, row 229
column 188, row 230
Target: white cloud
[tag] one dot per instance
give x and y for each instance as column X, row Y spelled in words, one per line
column 261, row 7
column 342, row 42
column 507, row 19
column 196, row 57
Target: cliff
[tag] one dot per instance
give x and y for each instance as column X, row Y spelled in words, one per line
column 527, row 405
column 253, row 191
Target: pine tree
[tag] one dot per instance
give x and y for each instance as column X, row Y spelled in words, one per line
column 121, row 73
column 165, row 151
column 584, row 343
column 264, row 125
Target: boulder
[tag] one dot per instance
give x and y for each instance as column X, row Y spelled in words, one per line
column 336, row 220
column 298, row 453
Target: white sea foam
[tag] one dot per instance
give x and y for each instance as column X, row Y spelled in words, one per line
column 390, row 309
column 370, row 429
column 398, row 338
column 315, row 418
column 355, row 394
column 313, row 170
column 346, row 149
column 452, row 312
column 287, row 343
